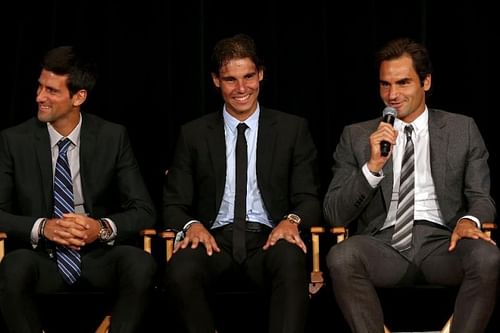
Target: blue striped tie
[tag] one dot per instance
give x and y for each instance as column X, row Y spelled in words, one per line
column 68, row 260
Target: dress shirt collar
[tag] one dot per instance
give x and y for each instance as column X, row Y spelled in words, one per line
column 420, row 124
column 74, row 136
column 231, row 122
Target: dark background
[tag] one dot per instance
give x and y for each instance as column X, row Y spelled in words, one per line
column 153, row 58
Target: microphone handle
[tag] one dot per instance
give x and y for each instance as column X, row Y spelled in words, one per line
column 385, row 148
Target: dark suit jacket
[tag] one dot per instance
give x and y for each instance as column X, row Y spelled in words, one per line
column 112, row 185
column 458, row 165
column 287, row 173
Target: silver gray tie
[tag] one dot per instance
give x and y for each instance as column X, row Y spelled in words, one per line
column 401, row 239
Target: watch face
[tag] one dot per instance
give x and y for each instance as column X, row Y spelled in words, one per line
column 104, row 234
column 294, row 218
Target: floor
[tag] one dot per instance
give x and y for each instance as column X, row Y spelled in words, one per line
column 241, row 315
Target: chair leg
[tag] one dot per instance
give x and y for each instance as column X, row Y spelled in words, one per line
column 386, row 330
column 446, row 328
column 105, row 324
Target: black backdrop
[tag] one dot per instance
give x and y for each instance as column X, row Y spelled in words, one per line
column 153, row 58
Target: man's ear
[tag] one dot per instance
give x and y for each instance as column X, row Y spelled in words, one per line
column 79, row 97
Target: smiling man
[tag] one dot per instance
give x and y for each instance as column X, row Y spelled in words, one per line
column 71, row 198
column 416, row 213
column 242, row 185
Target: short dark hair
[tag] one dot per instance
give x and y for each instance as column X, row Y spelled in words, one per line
column 406, row 46
column 67, row 60
column 236, row 47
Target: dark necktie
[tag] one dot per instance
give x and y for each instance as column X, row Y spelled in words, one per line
column 401, row 239
column 240, row 199
column 68, row 260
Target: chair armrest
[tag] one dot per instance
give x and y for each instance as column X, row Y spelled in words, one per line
column 147, row 236
column 3, row 236
column 488, row 227
column 340, row 232
column 169, row 237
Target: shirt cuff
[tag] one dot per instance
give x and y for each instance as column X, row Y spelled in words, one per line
column 34, row 232
column 372, row 179
column 181, row 234
column 113, row 227
column 470, row 217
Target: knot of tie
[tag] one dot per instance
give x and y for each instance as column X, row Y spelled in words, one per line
column 63, row 145
column 241, row 128
column 408, row 131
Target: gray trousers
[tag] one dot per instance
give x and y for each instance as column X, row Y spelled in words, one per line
column 361, row 263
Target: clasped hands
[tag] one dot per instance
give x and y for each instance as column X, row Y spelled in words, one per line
column 197, row 233
column 72, row 230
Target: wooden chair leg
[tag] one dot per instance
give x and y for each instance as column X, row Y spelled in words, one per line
column 317, row 280
column 447, row 326
column 386, row 330
column 104, row 327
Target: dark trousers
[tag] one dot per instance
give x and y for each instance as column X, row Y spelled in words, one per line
column 125, row 271
column 279, row 271
column 361, row 263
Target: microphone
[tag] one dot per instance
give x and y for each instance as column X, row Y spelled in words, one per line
column 388, row 116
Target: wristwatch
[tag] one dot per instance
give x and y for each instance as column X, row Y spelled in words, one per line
column 294, row 218
column 105, row 233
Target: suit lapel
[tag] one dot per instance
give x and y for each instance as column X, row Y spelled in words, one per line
column 43, row 153
column 266, row 141
column 438, row 141
column 217, row 150
column 388, row 183
column 88, row 144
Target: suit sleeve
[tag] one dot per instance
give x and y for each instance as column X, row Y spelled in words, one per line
column 477, row 178
column 178, row 192
column 304, row 179
column 11, row 222
column 136, row 210
column 349, row 191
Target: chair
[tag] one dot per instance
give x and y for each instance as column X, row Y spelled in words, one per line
column 341, row 233
column 146, row 234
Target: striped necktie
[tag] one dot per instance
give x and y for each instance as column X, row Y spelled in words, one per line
column 401, row 239
column 68, row 260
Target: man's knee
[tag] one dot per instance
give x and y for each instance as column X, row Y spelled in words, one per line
column 342, row 257
column 487, row 260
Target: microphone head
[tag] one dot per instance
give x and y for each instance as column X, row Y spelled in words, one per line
column 389, row 111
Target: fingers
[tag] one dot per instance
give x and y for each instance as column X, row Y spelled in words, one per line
column 384, row 132
column 80, row 221
column 453, row 241
column 68, row 230
column 194, row 241
column 485, row 237
column 471, row 233
column 62, row 235
column 290, row 238
column 62, row 238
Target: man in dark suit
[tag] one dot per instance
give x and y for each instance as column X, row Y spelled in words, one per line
column 443, row 243
column 201, row 198
column 109, row 203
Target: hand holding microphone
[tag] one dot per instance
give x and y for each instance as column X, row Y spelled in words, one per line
column 388, row 116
